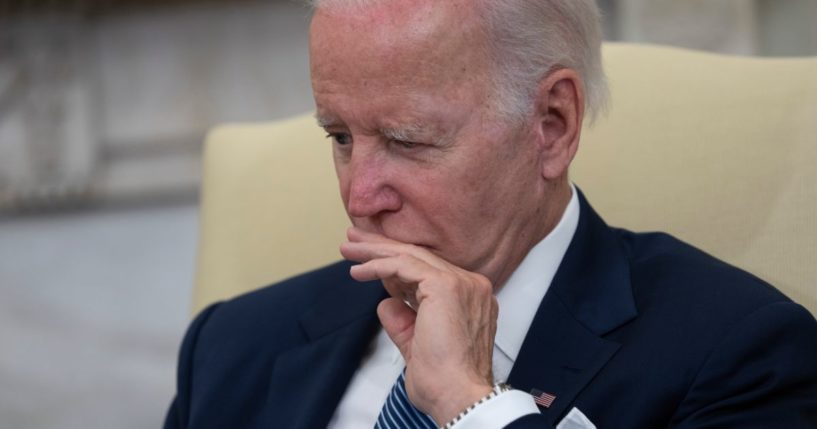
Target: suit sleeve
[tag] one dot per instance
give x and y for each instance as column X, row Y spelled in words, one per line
column 762, row 375
column 179, row 411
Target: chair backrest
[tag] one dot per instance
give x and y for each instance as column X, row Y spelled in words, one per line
column 720, row 151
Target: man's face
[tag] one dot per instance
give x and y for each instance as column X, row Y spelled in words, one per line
column 403, row 88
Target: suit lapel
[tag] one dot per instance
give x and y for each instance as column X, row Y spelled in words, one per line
column 559, row 356
column 590, row 296
column 308, row 381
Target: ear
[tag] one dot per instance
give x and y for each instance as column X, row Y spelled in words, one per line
column 559, row 115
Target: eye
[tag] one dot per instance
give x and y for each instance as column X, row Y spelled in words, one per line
column 342, row 139
column 406, row 144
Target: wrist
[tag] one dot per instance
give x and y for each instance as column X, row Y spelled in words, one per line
column 451, row 405
column 497, row 390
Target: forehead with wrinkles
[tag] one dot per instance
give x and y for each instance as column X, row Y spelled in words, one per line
column 418, row 43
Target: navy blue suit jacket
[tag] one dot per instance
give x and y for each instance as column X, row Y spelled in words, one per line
column 637, row 331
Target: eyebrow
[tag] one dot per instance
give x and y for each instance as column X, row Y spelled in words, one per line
column 407, row 132
column 325, row 120
column 404, row 133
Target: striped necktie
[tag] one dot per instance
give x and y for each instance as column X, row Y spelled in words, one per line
column 399, row 413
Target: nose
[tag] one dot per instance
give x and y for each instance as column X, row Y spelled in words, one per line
column 370, row 188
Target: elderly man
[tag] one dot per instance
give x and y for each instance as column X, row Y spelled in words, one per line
column 487, row 293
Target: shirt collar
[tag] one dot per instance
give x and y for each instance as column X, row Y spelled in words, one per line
column 527, row 286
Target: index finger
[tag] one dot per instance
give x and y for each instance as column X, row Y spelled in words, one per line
column 355, row 234
column 364, row 246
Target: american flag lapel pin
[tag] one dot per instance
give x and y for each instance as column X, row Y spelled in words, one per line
column 543, row 399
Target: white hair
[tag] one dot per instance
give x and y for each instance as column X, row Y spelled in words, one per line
column 529, row 39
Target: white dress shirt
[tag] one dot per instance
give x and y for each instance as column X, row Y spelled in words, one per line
column 520, row 297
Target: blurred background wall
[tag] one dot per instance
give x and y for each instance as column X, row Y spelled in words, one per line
column 103, row 107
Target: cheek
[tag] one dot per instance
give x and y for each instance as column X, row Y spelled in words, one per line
column 498, row 187
column 454, row 200
column 435, row 196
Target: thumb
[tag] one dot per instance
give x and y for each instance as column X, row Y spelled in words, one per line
column 398, row 319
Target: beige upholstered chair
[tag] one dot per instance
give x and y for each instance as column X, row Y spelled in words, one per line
column 720, row 151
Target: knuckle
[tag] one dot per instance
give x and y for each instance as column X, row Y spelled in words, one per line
column 483, row 285
column 404, row 258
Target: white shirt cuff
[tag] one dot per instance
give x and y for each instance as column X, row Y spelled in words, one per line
column 499, row 411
